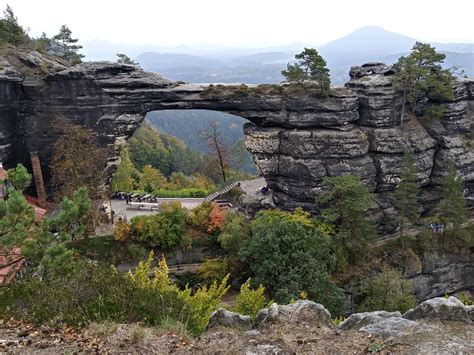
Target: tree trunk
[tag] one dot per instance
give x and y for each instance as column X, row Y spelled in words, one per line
column 402, row 115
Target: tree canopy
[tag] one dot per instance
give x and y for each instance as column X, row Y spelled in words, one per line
column 310, row 68
column 344, row 205
column 288, row 253
column 67, row 46
column 407, row 192
column 420, row 77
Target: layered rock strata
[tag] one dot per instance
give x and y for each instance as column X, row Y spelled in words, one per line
column 295, row 137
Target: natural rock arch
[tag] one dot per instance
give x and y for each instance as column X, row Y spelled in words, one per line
column 295, row 137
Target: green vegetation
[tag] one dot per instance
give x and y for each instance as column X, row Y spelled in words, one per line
column 452, row 210
column 44, row 244
column 407, row 192
column 62, row 44
column 213, row 270
column 162, row 164
column 19, row 177
column 10, row 30
column 344, row 206
column 108, row 295
column 310, row 69
column 289, row 253
column 125, row 59
column 66, row 46
column 162, row 230
column 249, row 301
column 387, row 291
column 420, row 77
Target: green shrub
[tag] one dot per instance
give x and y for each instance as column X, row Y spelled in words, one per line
column 250, row 301
column 95, row 293
column 289, row 253
column 192, row 192
column 164, row 229
column 388, row 291
column 468, row 301
column 214, row 270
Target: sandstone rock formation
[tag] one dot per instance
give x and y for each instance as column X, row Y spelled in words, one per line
column 296, row 138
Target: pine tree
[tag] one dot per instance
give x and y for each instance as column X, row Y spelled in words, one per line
column 66, row 45
column 419, row 76
column 310, row 68
column 10, row 30
column 125, row 59
column 452, row 207
column 344, row 206
column 407, row 192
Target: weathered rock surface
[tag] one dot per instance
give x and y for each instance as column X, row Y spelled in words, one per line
column 296, row 137
column 223, row 317
column 300, row 312
column 440, row 308
column 359, row 320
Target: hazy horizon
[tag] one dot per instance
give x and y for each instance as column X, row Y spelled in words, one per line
column 246, row 24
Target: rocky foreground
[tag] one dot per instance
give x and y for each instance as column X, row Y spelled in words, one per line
column 438, row 325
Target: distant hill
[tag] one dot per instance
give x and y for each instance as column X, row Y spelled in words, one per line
column 363, row 45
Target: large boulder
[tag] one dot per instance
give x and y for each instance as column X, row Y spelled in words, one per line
column 394, row 327
column 300, row 312
column 223, row 317
column 359, row 320
column 440, row 308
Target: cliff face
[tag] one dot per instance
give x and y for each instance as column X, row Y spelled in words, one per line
column 296, row 138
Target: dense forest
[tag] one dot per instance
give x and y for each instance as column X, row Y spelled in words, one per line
column 174, row 165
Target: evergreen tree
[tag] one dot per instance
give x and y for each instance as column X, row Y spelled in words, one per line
column 125, row 59
column 66, row 45
column 388, row 291
column 43, row 44
column 310, row 68
column 19, row 177
column 10, row 30
column 452, row 207
column 123, row 179
column 407, row 192
column 344, row 206
column 419, row 76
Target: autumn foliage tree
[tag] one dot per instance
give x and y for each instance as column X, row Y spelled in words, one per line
column 78, row 160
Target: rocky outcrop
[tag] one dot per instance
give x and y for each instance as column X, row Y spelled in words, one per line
column 299, row 313
column 440, row 308
column 297, row 138
column 225, row 318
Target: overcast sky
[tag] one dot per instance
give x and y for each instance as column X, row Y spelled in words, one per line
column 245, row 23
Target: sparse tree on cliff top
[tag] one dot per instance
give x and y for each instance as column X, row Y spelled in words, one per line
column 125, row 59
column 310, row 67
column 67, row 46
column 420, row 77
column 452, row 208
column 407, row 192
column 78, row 160
column 10, row 30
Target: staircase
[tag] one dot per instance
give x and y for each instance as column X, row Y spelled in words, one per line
column 222, row 191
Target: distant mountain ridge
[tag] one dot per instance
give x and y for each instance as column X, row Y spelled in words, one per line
column 231, row 65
